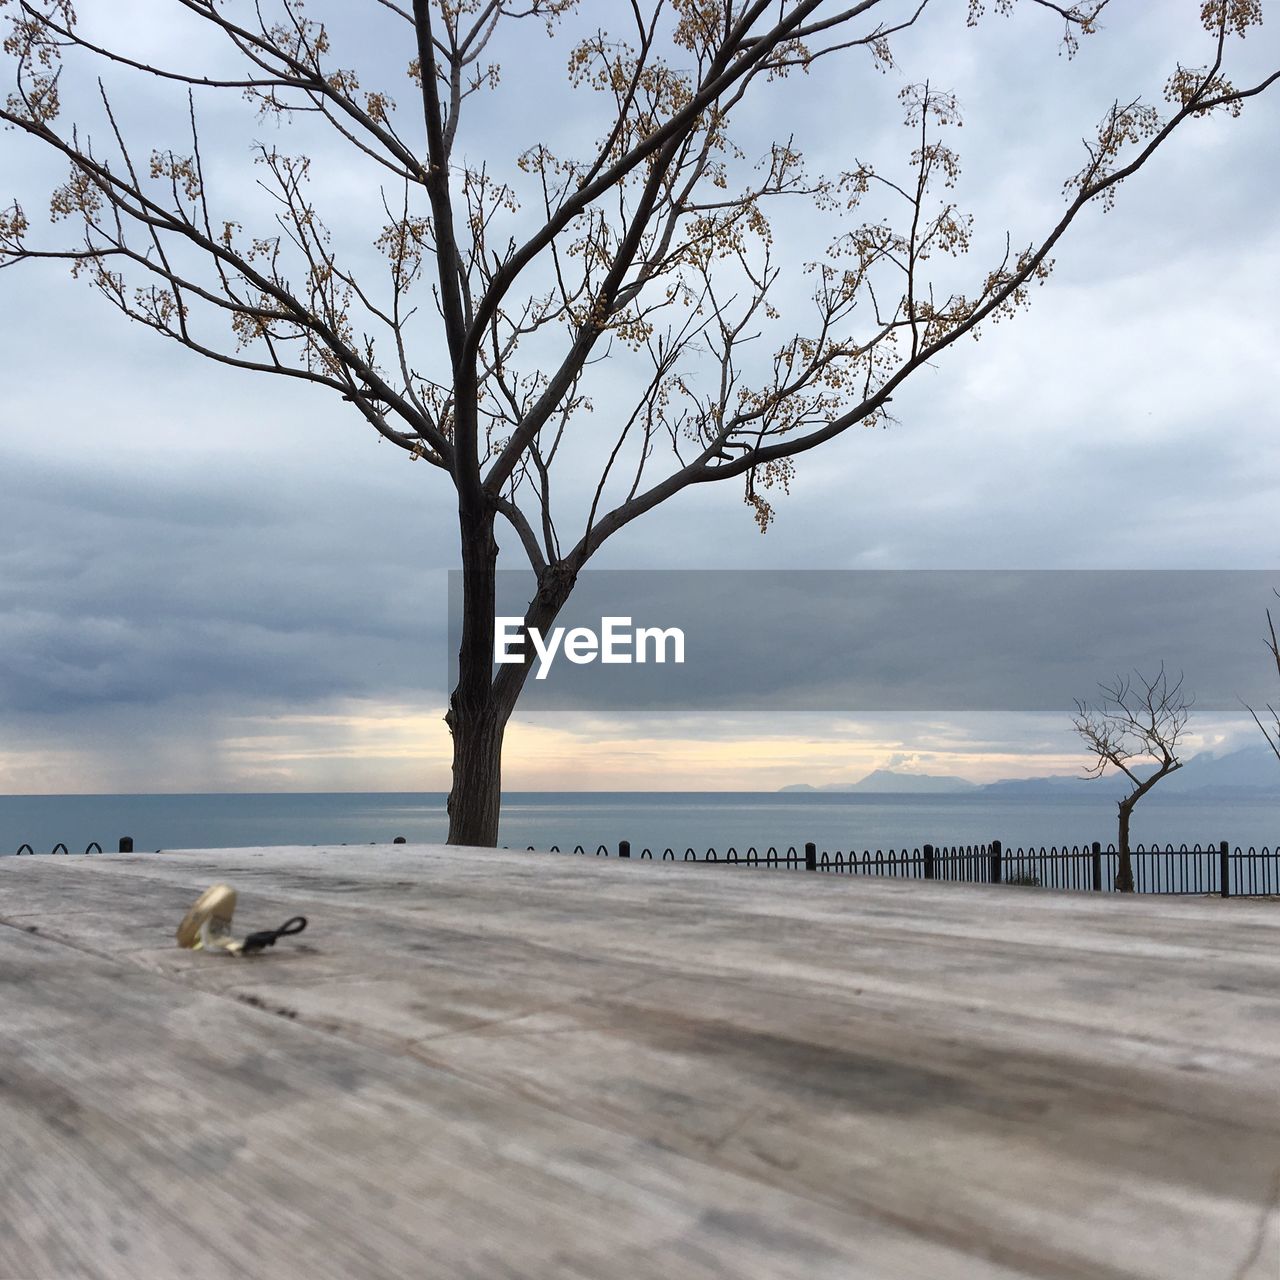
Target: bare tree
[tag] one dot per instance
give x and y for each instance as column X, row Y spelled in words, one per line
column 651, row 249
column 1135, row 728
column 1270, row 732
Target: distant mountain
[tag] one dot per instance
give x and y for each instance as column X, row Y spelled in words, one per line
column 1032, row 786
column 888, row 782
column 1053, row 785
column 1249, row 769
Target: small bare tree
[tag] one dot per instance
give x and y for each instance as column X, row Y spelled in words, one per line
column 1135, row 721
column 1271, row 732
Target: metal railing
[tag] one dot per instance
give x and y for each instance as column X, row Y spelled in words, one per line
column 126, row 846
column 1215, row 868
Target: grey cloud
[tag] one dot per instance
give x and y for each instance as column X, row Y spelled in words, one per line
column 870, row 641
column 211, row 582
column 173, row 528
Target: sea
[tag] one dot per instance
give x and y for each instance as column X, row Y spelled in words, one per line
column 658, row 821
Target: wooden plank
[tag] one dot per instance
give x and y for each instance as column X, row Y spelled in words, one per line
column 722, row 1063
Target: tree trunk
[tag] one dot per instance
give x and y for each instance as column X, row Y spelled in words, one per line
column 476, row 799
column 476, row 718
column 1124, row 872
column 481, row 703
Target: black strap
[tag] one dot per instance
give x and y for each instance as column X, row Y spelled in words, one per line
column 267, row 938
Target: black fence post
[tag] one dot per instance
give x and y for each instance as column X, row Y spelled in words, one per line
column 1224, row 868
column 1097, row 867
column 810, row 856
column 928, row 862
column 126, row 844
column 624, row 848
column 997, row 863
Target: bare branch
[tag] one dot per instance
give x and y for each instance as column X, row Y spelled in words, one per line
column 1270, row 732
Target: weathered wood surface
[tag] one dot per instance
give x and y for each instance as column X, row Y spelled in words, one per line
column 510, row 1066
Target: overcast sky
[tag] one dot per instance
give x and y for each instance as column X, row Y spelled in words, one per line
column 213, row 580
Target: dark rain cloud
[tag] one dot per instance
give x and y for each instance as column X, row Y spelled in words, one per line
column 944, row 641
column 208, row 581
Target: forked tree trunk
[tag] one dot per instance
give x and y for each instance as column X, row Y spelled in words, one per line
column 1124, row 872
column 476, row 719
column 476, row 798
column 481, row 704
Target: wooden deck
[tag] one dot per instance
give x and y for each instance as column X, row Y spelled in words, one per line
column 509, row 1066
